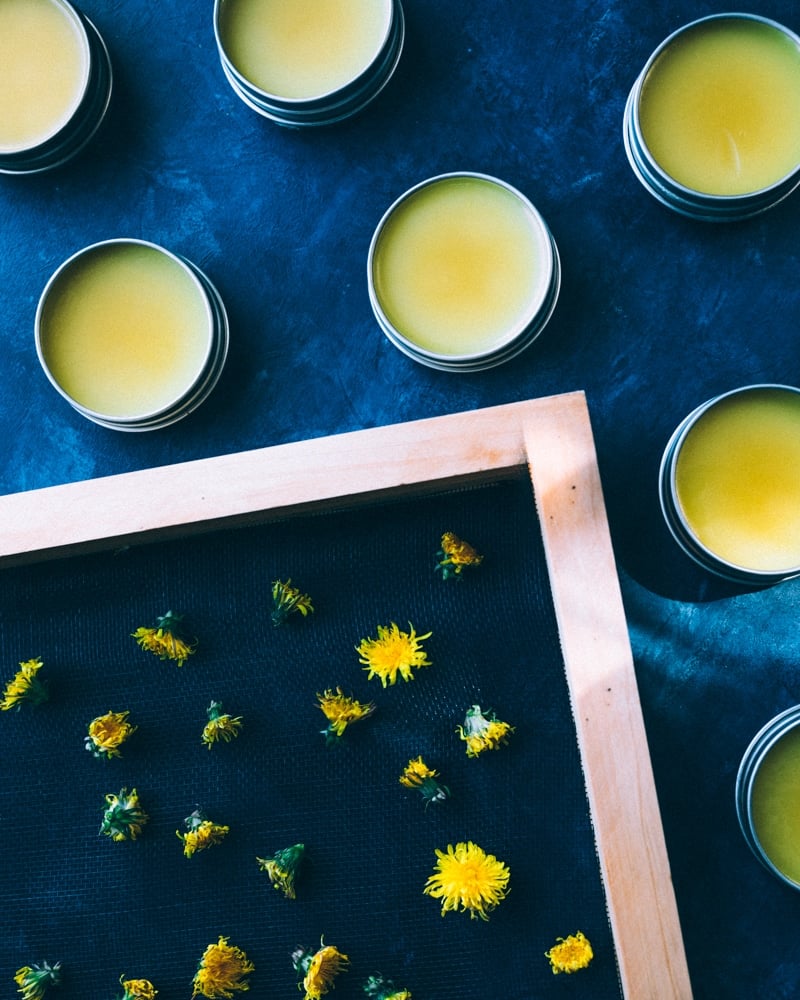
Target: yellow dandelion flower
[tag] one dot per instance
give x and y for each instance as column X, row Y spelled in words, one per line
column 341, row 711
column 379, row 988
column 165, row 640
column 570, row 954
column 319, row 968
column 137, row 989
column 25, row 687
column 418, row 775
column 201, row 833
column 455, row 555
column 222, row 971
column 107, row 733
column 469, row 879
column 33, row 980
column 483, row 732
column 286, row 599
column 392, row 653
column 123, row 817
column 220, row 725
column 283, row 868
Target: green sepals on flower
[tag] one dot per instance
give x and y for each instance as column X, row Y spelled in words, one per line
column 25, row 688
column 286, row 599
column 220, row 725
column 107, row 733
column 468, row 879
column 483, row 731
column 124, row 817
column 418, row 775
column 455, row 556
column 34, row 980
column 137, row 989
column 379, row 988
column 318, row 968
column 200, row 833
column 166, row 640
column 570, row 954
column 283, row 868
column 393, row 652
column 222, row 971
column 341, row 711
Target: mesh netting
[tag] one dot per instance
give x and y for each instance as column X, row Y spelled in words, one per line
column 142, row 909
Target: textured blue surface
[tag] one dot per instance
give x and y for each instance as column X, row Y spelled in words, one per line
column 657, row 313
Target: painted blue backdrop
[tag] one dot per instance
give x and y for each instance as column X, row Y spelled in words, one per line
column 656, row 314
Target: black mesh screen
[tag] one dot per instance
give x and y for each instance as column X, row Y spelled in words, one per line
column 142, row 909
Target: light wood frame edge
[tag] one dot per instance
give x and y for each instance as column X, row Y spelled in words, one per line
column 553, row 437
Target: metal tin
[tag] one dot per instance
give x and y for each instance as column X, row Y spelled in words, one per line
column 676, row 196
column 196, row 388
column 673, row 511
column 755, row 755
column 325, row 108
column 516, row 338
column 76, row 133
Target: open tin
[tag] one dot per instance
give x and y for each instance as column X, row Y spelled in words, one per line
column 310, row 62
column 463, row 273
column 56, row 78
column 132, row 336
column 712, row 123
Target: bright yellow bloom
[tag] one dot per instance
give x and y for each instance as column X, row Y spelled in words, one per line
column 283, row 867
column 164, row 639
column 455, row 555
column 138, row 989
column 393, row 652
column 200, row 833
column 33, row 980
column 418, row 775
column 570, row 954
column 319, row 968
column 25, row 687
column 483, row 732
column 379, row 988
column 107, row 733
column 469, row 879
column 341, row 711
column 124, row 817
column 221, row 971
column 220, row 725
column 286, row 599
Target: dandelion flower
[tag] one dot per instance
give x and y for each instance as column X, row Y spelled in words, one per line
column 124, row 817
column 483, row 732
column 165, row 639
column 319, row 968
column 137, row 989
column 25, row 687
column 107, row 733
column 418, row 775
column 379, row 988
column 454, row 555
column 201, row 833
column 220, row 725
column 570, row 954
column 341, row 711
column 283, row 868
column 286, row 599
column 222, row 971
column 392, row 653
column 33, row 980
column 469, row 879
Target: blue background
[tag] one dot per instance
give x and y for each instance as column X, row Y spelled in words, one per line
column 656, row 314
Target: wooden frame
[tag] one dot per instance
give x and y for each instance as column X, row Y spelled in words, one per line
column 552, row 437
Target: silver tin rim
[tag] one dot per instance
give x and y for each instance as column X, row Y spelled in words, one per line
column 670, row 192
column 327, row 108
column 761, row 744
column 217, row 338
column 512, row 343
column 672, row 512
